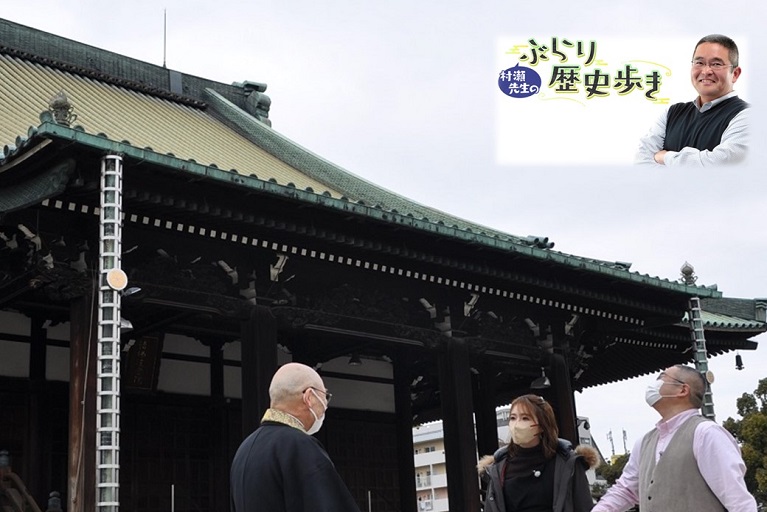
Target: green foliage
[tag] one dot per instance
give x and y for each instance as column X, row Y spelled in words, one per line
column 611, row 472
column 761, row 394
column 732, row 426
column 598, row 490
column 751, row 433
column 746, row 404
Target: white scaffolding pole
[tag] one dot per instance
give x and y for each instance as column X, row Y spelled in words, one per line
column 111, row 281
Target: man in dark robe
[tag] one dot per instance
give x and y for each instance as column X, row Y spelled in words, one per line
column 281, row 467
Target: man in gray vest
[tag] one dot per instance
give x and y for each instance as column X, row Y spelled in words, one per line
column 687, row 463
column 712, row 129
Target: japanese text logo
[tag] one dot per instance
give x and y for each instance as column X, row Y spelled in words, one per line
column 571, row 68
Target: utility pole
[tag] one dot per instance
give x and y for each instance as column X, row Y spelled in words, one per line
column 612, row 445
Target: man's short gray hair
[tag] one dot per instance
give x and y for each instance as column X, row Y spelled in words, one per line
column 696, row 381
column 725, row 41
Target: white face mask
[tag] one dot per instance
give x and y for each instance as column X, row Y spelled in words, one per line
column 652, row 393
column 523, row 433
column 317, row 425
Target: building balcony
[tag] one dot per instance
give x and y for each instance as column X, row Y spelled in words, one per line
column 428, row 459
column 431, row 482
column 438, row 481
column 433, row 506
column 441, row 505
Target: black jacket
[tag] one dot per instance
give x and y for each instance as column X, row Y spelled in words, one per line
column 572, row 492
column 279, row 468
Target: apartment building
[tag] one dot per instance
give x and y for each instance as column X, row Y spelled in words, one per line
column 430, row 468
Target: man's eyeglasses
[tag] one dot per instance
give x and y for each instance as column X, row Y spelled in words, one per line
column 328, row 394
column 664, row 374
column 716, row 65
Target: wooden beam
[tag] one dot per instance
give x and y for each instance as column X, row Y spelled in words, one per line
column 458, row 425
column 81, row 474
column 19, row 285
column 219, row 456
column 216, row 368
column 563, row 397
column 404, row 427
column 37, row 427
column 259, row 362
column 484, row 408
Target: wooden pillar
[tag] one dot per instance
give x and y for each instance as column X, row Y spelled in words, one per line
column 81, row 472
column 404, row 426
column 36, row 428
column 216, row 368
column 219, row 490
column 259, row 362
column 457, row 423
column 563, row 397
column 484, row 409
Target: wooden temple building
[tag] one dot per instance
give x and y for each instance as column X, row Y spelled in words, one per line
column 243, row 250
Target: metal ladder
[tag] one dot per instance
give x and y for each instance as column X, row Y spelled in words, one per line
column 700, row 355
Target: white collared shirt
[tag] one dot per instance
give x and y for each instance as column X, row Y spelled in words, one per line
column 719, row 462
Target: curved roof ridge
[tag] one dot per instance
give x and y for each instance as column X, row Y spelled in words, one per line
column 354, row 187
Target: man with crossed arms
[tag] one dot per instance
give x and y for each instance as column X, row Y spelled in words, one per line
column 712, row 129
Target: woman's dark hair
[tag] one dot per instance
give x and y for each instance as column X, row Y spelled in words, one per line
column 540, row 409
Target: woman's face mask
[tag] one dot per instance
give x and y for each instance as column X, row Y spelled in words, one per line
column 523, row 427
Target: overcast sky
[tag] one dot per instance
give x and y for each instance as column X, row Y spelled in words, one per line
column 405, row 94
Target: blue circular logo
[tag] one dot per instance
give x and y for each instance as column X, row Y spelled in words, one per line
column 519, row 82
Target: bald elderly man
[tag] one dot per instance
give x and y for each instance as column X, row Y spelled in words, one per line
column 280, row 467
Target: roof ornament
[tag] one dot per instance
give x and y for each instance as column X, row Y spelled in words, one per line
column 541, row 242
column 688, row 274
column 62, row 109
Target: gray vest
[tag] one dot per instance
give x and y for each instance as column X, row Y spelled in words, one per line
column 675, row 483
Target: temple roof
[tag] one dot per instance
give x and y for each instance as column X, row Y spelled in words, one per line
column 142, row 120
column 214, row 130
column 723, row 322
column 733, row 314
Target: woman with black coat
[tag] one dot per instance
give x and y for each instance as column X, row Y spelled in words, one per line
column 537, row 471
